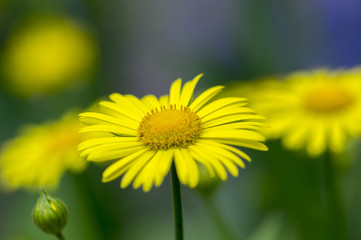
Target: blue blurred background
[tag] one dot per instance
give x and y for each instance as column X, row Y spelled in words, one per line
column 142, row 46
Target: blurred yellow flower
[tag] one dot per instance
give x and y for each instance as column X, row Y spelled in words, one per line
column 41, row 154
column 151, row 134
column 48, row 54
column 316, row 110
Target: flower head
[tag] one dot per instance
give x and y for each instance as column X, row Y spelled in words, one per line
column 149, row 134
column 41, row 154
column 316, row 110
column 47, row 54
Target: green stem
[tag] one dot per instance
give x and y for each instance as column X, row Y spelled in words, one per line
column 335, row 214
column 177, row 205
column 217, row 219
column 60, row 236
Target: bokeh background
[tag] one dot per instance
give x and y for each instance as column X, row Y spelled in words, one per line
column 140, row 47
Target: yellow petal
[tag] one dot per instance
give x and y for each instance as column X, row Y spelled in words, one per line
column 212, row 160
column 139, row 163
column 204, row 98
column 164, row 100
column 174, row 92
column 100, row 141
column 188, row 89
column 245, row 143
column 118, row 130
column 151, row 102
column 219, row 104
column 241, row 134
column 122, row 110
column 107, row 154
column 103, row 118
column 192, row 168
column 181, row 166
column 119, row 167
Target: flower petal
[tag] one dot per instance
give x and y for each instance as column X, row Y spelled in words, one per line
column 174, row 92
column 126, row 102
column 188, row 89
column 101, row 118
column 227, row 111
column 122, row 110
column 139, row 163
column 105, row 140
column 107, row 153
column 211, row 159
column 245, row 143
column 118, row 130
column 164, row 101
column 235, row 134
column 151, row 102
column 192, row 168
column 119, row 167
column 232, row 119
column 219, row 104
column 204, row 98
column 163, row 169
column 138, row 103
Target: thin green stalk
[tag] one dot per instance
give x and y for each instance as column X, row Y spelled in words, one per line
column 214, row 214
column 336, row 227
column 177, row 205
column 60, row 236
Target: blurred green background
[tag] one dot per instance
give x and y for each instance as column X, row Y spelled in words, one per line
column 140, row 47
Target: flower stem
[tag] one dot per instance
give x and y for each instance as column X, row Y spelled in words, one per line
column 177, row 205
column 335, row 213
column 60, row 236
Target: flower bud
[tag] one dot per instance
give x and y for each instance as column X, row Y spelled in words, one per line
column 50, row 214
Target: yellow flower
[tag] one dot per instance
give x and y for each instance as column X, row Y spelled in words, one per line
column 46, row 55
column 316, row 110
column 41, row 154
column 150, row 134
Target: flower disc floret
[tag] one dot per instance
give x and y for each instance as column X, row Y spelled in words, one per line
column 328, row 99
column 167, row 128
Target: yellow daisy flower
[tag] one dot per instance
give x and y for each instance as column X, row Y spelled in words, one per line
column 41, row 154
column 316, row 110
column 150, row 134
column 47, row 54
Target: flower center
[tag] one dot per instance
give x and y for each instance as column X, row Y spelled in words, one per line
column 65, row 138
column 167, row 128
column 328, row 99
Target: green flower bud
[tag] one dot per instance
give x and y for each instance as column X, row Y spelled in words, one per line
column 50, row 214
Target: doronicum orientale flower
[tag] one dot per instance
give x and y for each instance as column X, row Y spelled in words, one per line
column 40, row 154
column 47, row 54
column 149, row 134
column 317, row 110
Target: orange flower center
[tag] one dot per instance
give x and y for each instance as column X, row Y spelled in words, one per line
column 328, row 99
column 167, row 128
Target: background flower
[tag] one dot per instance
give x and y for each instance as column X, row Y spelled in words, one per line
column 316, row 110
column 47, row 54
column 41, row 154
